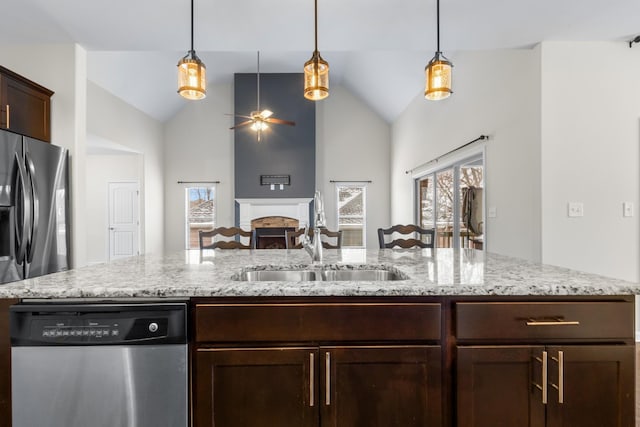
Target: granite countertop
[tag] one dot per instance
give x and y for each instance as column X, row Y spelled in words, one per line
column 210, row 273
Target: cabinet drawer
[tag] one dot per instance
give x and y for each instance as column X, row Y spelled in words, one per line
column 541, row 320
column 317, row 322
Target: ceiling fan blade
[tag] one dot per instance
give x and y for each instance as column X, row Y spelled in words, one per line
column 238, row 115
column 280, row 121
column 247, row 122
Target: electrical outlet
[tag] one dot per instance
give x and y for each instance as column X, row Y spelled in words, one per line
column 493, row 212
column 627, row 209
column 576, row 209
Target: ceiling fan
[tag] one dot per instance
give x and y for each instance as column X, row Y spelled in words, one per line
column 259, row 120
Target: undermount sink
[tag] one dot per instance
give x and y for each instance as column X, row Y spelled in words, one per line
column 359, row 275
column 278, row 275
column 326, row 273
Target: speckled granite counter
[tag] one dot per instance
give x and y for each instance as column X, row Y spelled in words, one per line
column 441, row 272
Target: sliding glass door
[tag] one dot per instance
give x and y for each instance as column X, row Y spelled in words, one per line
column 450, row 200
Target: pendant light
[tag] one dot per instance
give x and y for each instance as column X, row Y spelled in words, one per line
column 316, row 70
column 192, row 73
column 438, row 71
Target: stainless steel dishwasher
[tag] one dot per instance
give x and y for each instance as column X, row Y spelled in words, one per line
column 99, row 364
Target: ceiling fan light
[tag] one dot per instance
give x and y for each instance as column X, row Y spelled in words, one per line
column 266, row 114
column 259, row 125
column 438, row 78
column 192, row 77
column 316, row 78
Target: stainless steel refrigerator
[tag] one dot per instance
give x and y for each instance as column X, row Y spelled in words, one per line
column 34, row 208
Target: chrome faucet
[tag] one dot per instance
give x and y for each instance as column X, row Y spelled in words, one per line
column 314, row 248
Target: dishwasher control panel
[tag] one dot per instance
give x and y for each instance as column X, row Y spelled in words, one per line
column 97, row 324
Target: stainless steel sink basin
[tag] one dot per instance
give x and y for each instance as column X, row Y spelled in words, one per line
column 325, row 273
column 278, row 276
column 359, row 275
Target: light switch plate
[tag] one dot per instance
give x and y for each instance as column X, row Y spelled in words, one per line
column 627, row 209
column 575, row 209
column 493, row 212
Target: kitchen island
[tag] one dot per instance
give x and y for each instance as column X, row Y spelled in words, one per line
column 444, row 272
column 463, row 338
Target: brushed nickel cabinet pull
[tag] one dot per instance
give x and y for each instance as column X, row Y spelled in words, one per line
column 327, row 361
column 560, row 385
column 311, row 384
column 544, row 386
column 560, row 377
column 556, row 322
column 8, row 116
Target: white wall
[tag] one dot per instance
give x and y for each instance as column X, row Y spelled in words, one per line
column 496, row 93
column 103, row 170
column 199, row 147
column 353, row 143
column 63, row 69
column 110, row 118
column 590, row 154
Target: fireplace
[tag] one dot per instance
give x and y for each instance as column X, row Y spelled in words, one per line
column 270, row 231
column 271, row 218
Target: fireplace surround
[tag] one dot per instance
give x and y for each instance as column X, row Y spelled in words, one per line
column 271, row 218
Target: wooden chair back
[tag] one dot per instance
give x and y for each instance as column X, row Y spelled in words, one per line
column 225, row 244
column 293, row 238
column 417, row 239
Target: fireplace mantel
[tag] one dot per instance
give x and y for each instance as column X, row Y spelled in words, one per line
column 251, row 209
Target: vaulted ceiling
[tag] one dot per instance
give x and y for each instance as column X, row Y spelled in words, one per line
column 134, row 45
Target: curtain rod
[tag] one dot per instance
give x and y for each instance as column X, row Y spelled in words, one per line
column 480, row 138
column 198, row 182
column 352, row 180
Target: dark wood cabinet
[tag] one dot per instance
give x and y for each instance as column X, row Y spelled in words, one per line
column 312, row 386
column 381, row 386
column 320, row 364
column 496, row 386
column 573, row 364
column 5, row 363
column 257, row 387
column 25, row 106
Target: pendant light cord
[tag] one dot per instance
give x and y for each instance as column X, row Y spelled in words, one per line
column 437, row 24
column 316, row 22
column 192, row 26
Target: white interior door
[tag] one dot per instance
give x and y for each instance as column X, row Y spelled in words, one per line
column 124, row 219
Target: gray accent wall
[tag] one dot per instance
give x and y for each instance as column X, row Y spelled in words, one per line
column 283, row 150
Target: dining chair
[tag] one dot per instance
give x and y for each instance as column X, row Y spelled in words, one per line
column 411, row 236
column 293, row 238
column 226, row 244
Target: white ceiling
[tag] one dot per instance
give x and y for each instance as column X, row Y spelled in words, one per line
column 391, row 39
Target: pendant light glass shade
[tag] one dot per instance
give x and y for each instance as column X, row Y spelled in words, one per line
column 438, row 70
column 316, row 78
column 192, row 73
column 316, row 70
column 192, row 77
column 438, row 78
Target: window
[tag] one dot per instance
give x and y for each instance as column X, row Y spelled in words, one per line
column 351, row 209
column 199, row 213
column 450, row 200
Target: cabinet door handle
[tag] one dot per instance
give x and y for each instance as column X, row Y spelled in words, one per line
column 553, row 322
column 311, row 384
column 327, row 362
column 544, row 386
column 560, row 386
column 8, row 111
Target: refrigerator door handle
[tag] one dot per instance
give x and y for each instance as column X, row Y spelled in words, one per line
column 35, row 214
column 22, row 230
